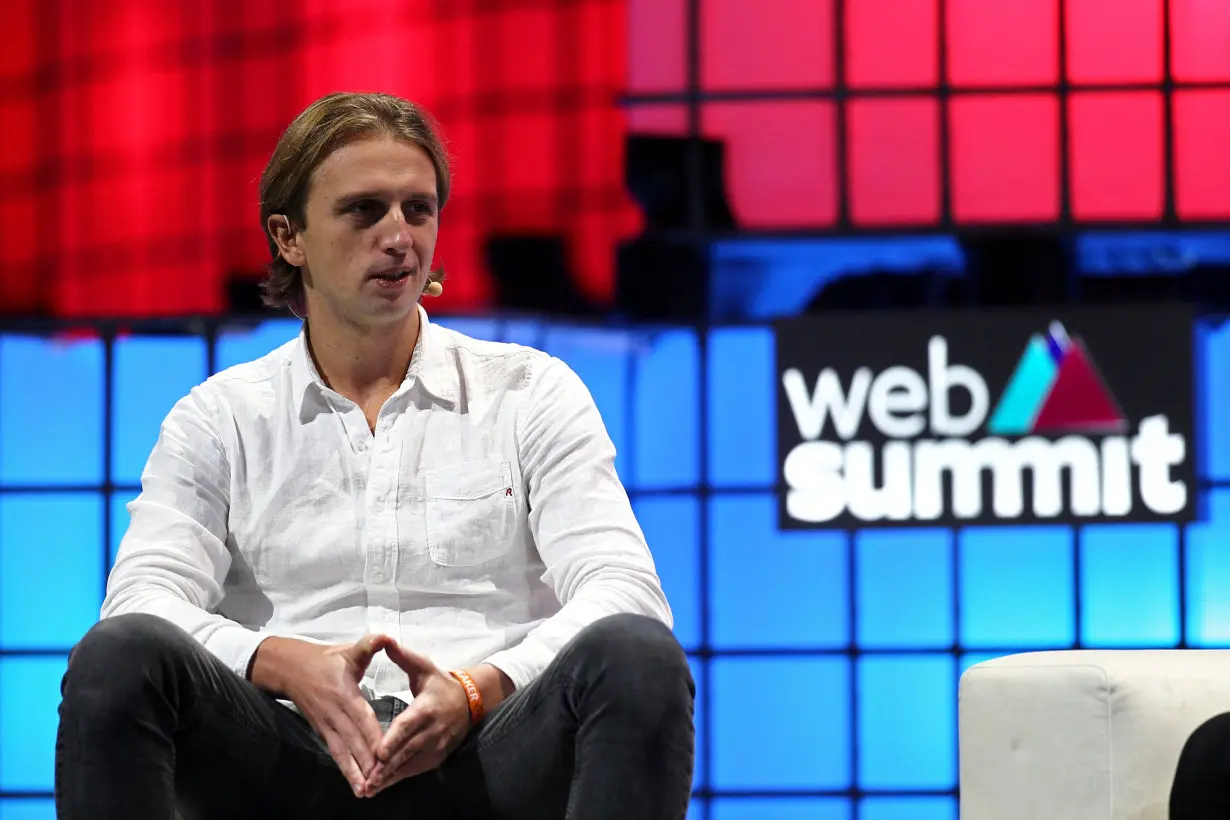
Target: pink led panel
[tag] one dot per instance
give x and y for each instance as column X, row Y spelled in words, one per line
column 893, row 148
column 1003, row 42
column 775, row 44
column 657, row 45
column 780, row 161
column 1005, row 158
column 1116, row 155
column 1202, row 161
column 1114, row 41
column 891, row 43
column 1200, row 44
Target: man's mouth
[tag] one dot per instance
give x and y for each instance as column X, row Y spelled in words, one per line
column 392, row 276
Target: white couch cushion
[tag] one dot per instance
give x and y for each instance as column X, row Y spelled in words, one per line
column 1082, row 734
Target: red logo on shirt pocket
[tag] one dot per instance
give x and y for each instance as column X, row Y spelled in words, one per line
column 508, row 491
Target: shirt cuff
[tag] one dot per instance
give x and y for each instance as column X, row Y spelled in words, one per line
column 235, row 646
column 522, row 663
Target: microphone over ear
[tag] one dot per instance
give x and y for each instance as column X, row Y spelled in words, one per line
column 433, row 289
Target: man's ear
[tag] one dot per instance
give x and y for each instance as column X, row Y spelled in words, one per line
column 287, row 239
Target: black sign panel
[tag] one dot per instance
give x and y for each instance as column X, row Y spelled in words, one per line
column 986, row 417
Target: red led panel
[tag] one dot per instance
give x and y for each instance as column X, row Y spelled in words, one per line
column 527, row 45
column 1200, row 40
column 658, row 119
column 891, row 43
column 657, row 42
column 1116, row 155
column 349, row 57
column 1202, row 163
column 1005, row 158
column 1003, row 42
column 894, row 154
column 18, row 57
column 1114, row 41
column 530, row 146
column 19, row 140
column 598, row 33
column 778, row 44
column 20, row 282
column 459, row 250
column 780, row 161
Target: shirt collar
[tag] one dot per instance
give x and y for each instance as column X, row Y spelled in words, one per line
column 429, row 366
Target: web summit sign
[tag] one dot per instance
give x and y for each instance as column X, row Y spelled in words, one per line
column 986, row 418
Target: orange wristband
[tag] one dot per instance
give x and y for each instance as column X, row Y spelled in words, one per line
column 473, row 696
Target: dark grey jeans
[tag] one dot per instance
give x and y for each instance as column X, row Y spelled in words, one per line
column 150, row 721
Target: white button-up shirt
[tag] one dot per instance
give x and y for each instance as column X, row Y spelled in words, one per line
column 483, row 521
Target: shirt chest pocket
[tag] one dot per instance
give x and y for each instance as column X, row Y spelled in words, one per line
column 471, row 512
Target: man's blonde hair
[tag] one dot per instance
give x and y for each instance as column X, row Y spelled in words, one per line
column 323, row 127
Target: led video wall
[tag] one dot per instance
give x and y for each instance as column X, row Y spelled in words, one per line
column 827, row 661
column 842, row 114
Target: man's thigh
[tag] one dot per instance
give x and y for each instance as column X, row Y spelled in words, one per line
column 240, row 753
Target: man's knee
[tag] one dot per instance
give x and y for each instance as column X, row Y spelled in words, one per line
column 119, row 653
column 638, row 655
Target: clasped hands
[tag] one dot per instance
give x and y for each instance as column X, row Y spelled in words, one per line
column 418, row 740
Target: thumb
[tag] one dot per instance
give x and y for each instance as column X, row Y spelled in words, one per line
column 413, row 664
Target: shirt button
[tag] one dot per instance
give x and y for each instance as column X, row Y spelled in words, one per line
column 379, row 504
column 361, row 446
column 378, row 576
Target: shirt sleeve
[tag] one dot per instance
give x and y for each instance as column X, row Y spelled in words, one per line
column 173, row 559
column 595, row 553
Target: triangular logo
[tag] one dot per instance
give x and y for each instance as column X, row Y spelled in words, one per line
column 1056, row 388
column 1079, row 399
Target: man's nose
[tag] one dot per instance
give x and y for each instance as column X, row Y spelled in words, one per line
column 396, row 237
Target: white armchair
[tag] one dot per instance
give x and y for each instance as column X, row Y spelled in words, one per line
column 1082, row 734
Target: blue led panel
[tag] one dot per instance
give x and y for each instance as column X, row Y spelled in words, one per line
column 1208, row 575
column 772, row 589
column 1213, row 388
column 781, row 808
column 907, row 808
column 118, row 510
column 1017, row 587
column 600, row 358
column 761, row 740
column 1129, row 585
column 27, row 809
column 742, row 408
column 906, row 722
column 904, row 584
column 29, row 698
column 51, row 568
column 240, row 344
column 696, row 811
column 528, row 332
column 151, row 374
column 485, row 329
column 672, row 528
column 51, row 416
column 666, row 412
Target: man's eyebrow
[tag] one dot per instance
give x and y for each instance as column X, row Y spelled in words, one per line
column 346, row 199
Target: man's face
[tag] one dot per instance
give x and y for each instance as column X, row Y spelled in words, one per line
column 372, row 219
